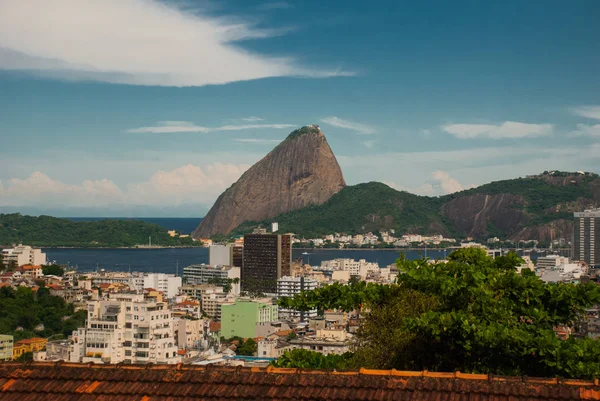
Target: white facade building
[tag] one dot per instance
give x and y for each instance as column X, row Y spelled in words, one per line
column 126, row 328
column 206, row 274
column 167, row 283
column 219, row 255
column 24, row 255
column 355, row 267
column 290, row 286
column 551, row 261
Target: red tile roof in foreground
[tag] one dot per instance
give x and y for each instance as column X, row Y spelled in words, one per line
column 68, row 381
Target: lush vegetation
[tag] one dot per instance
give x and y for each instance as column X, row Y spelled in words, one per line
column 50, row 232
column 25, row 313
column 374, row 206
column 245, row 347
column 301, row 358
column 472, row 314
column 53, row 270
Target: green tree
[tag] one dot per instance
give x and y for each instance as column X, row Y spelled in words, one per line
column 54, row 270
column 473, row 314
column 248, row 348
column 305, row 359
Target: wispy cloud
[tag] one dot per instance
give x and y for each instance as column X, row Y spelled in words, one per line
column 347, row 124
column 585, row 130
column 168, row 127
column 508, row 129
column 256, row 140
column 592, row 112
column 369, row 144
column 253, row 119
column 137, row 42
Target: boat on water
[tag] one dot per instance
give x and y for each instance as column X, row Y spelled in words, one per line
column 305, row 253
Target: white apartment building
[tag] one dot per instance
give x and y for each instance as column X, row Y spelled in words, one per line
column 551, row 261
column 219, row 255
column 126, row 328
column 205, row 274
column 288, row 287
column 166, row 283
column 355, row 267
column 24, row 255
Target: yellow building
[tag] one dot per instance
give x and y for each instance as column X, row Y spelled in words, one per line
column 28, row 345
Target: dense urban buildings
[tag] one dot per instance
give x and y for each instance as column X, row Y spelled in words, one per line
column 130, row 328
column 586, row 237
column 267, row 257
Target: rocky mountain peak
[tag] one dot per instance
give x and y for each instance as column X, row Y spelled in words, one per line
column 300, row 171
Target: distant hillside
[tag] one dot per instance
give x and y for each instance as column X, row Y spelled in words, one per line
column 539, row 207
column 46, row 231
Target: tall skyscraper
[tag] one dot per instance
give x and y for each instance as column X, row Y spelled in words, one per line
column 267, row 257
column 586, row 237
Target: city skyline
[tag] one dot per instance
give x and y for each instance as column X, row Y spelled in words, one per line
column 143, row 107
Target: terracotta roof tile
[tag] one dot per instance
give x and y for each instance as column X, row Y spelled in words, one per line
column 81, row 382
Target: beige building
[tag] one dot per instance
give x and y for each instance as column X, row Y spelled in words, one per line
column 6, row 347
column 24, row 255
column 188, row 333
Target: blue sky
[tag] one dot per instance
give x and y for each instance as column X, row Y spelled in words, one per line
column 140, row 107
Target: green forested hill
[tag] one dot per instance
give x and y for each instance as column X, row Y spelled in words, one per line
column 361, row 208
column 533, row 208
column 51, row 231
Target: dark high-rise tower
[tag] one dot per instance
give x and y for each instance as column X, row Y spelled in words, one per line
column 267, row 257
column 586, row 237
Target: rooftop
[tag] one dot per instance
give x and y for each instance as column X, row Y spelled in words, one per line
column 69, row 381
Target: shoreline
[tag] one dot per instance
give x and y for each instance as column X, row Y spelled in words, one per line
column 119, row 247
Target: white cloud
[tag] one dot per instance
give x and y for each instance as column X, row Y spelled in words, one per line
column 508, row 129
column 253, row 119
column 257, row 140
column 592, row 112
column 39, row 189
column 168, row 127
column 137, row 42
column 447, row 183
column 369, row 144
column 441, row 184
column 351, row 125
column 188, row 184
column 585, row 130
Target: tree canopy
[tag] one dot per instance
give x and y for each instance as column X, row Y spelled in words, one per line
column 51, row 231
column 25, row 313
column 472, row 314
column 52, row 270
